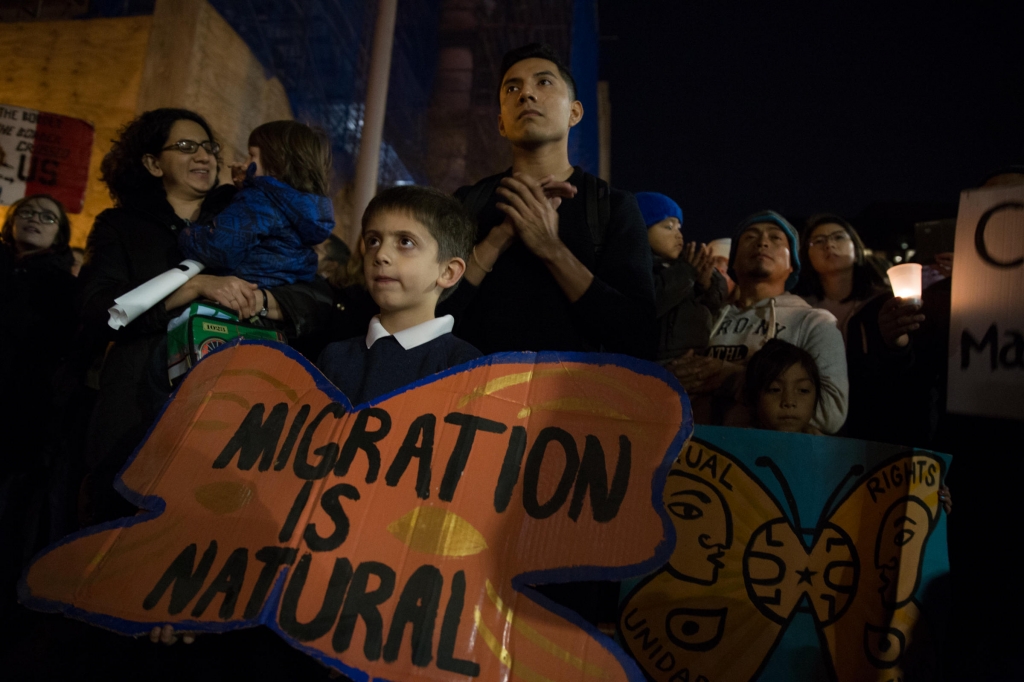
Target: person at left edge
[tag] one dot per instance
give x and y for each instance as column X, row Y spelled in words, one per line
column 37, row 294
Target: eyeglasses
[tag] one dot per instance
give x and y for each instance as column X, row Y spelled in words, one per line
column 823, row 241
column 45, row 217
column 191, row 147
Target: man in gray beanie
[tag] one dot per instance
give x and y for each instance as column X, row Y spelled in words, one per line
column 766, row 265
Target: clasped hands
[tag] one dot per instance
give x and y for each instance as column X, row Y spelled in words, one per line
column 699, row 373
column 703, row 262
column 531, row 213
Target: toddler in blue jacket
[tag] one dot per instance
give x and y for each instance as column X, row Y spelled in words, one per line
column 267, row 234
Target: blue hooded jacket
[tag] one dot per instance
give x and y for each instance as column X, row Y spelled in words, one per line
column 266, row 234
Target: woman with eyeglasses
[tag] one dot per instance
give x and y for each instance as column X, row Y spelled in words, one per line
column 37, row 321
column 37, row 292
column 875, row 326
column 840, row 279
column 162, row 173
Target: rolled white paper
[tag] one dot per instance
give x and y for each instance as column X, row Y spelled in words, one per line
column 143, row 297
column 906, row 280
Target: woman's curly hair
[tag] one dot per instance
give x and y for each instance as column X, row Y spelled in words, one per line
column 122, row 169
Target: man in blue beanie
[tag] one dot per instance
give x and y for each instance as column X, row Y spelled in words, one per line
column 766, row 265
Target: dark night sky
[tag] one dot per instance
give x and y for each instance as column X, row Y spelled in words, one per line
column 730, row 109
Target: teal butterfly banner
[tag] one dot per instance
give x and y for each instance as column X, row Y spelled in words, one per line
column 797, row 557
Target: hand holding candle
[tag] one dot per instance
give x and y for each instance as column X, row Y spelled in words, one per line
column 899, row 316
column 906, row 281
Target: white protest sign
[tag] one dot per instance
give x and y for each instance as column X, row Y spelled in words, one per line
column 986, row 332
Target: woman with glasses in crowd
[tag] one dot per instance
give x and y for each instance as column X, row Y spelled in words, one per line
column 875, row 325
column 162, row 173
column 37, row 310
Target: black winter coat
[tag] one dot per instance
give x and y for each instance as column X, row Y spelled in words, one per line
column 881, row 389
column 37, row 296
column 38, row 321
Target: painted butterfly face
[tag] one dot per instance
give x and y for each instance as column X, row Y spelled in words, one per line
column 901, row 538
column 703, row 527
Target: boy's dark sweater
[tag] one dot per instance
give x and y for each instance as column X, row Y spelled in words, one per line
column 364, row 373
column 519, row 306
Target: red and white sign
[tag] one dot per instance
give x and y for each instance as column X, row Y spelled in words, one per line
column 43, row 153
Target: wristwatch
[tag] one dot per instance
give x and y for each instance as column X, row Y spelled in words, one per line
column 263, row 313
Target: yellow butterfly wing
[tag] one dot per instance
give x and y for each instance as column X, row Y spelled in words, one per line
column 695, row 619
column 888, row 518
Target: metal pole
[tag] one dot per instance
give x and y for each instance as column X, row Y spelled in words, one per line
column 368, row 161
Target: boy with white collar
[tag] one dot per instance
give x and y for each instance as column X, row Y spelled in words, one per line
column 416, row 242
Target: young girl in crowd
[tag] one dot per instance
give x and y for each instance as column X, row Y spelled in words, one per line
column 268, row 232
column 782, row 388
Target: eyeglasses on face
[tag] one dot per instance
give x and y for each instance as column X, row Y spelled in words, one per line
column 45, row 217
column 191, row 147
column 824, row 240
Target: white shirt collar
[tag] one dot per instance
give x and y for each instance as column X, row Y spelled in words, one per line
column 413, row 336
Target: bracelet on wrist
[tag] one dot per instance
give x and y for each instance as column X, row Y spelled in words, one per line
column 264, row 311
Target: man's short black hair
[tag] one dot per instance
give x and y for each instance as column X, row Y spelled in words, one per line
column 536, row 51
column 442, row 215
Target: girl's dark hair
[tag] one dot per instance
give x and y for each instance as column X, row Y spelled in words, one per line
column 866, row 279
column 122, row 168
column 61, row 242
column 767, row 364
column 295, row 154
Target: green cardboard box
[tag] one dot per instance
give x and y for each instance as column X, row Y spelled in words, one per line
column 202, row 327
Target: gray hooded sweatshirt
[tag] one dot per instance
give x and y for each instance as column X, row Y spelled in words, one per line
column 738, row 334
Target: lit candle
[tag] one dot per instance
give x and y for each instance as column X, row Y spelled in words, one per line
column 906, row 281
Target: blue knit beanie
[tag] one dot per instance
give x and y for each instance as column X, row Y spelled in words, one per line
column 774, row 218
column 656, row 207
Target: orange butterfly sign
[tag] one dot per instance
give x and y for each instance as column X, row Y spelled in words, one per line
column 396, row 540
column 741, row 570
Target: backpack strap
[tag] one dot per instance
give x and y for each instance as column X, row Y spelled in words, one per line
column 480, row 193
column 599, row 209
